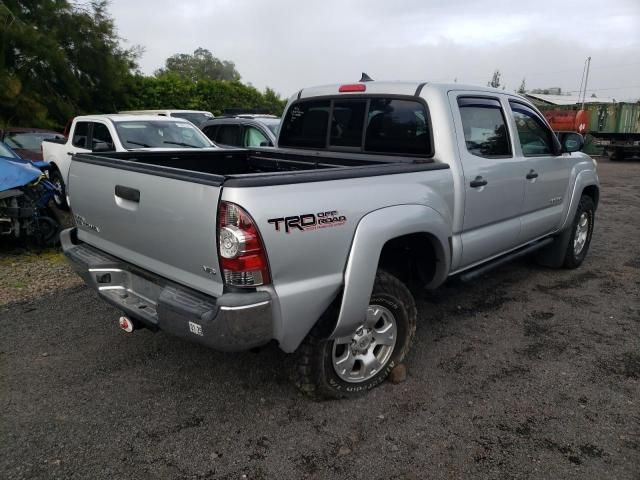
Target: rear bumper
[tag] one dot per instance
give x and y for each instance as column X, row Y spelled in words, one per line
column 231, row 322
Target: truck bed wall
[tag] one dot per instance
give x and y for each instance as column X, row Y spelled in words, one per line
column 236, row 162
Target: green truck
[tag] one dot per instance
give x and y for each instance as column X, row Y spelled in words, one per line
column 609, row 128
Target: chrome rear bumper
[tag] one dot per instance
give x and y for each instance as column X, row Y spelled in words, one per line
column 231, row 322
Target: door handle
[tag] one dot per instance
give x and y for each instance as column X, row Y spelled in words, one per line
column 128, row 193
column 69, row 153
column 531, row 175
column 478, row 182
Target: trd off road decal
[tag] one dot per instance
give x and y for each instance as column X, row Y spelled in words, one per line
column 309, row 221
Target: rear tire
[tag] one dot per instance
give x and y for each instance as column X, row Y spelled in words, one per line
column 352, row 365
column 581, row 231
column 60, row 200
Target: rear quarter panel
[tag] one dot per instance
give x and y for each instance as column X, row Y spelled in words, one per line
column 308, row 266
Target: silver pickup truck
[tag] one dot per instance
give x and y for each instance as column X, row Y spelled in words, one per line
column 374, row 190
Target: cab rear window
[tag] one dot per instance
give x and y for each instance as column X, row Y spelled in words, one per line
column 306, row 125
column 392, row 125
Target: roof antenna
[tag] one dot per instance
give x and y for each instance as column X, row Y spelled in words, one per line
column 365, row 78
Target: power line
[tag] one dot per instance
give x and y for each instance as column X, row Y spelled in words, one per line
column 602, row 67
column 608, row 88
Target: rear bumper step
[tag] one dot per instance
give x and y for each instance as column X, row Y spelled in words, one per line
column 231, row 322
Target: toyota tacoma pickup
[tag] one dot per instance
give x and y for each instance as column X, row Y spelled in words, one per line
column 374, row 190
column 117, row 132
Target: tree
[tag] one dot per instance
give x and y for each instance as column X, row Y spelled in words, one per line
column 522, row 89
column 202, row 65
column 174, row 91
column 495, row 80
column 59, row 59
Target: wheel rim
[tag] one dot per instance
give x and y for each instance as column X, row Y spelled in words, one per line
column 582, row 231
column 360, row 356
column 58, row 197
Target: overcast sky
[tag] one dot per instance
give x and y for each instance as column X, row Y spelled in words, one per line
column 290, row 44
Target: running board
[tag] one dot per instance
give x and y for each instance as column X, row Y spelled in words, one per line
column 484, row 268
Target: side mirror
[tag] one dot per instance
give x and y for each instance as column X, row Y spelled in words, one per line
column 101, row 147
column 570, row 141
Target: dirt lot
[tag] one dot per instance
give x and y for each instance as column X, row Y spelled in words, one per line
column 527, row 373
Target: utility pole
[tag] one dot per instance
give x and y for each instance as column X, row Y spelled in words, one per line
column 586, row 79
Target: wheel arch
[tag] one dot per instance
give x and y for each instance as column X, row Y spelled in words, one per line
column 409, row 232
column 586, row 182
column 592, row 191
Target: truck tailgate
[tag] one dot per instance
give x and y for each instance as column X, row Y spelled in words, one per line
column 153, row 221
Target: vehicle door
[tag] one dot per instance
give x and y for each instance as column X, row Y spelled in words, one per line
column 546, row 173
column 493, row 180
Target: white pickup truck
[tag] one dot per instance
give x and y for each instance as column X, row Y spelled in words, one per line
column 117, row 133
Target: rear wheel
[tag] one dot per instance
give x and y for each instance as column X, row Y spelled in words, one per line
column 60, row 198
column 355, row 363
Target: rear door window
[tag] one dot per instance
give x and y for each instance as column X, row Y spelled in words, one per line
column 485, row 129
column 306, row 125
column 80, row 134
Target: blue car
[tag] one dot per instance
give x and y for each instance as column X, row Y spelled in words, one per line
column 25, row 194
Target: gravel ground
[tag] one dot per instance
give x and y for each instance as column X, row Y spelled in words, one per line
column 29, row 274
column 526, row 373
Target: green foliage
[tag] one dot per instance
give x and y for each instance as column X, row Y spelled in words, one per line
column 202, row 65
column 173, row 91
column 59, row 59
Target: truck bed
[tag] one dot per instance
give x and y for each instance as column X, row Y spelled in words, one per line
column 254, row 167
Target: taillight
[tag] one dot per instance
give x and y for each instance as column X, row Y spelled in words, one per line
column 243, row 260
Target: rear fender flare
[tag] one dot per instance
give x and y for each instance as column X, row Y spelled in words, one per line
column 373, row 231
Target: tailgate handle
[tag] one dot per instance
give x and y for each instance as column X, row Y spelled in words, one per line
column 128, row 193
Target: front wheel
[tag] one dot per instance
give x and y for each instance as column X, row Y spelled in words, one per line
column 582, row 229
column 60, row 197
column 351, row 365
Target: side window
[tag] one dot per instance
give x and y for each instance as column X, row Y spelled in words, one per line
column 347, row 121
column 101, row 134
column 535, row 137
column 229, row 135
column 398, row 127
column 254, row 137
column 210, row 132
column 80, row 133
column 306, row 125
column 484, row 126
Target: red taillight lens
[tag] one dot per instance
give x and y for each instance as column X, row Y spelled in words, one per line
column 243, row 260
column 352, row 87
